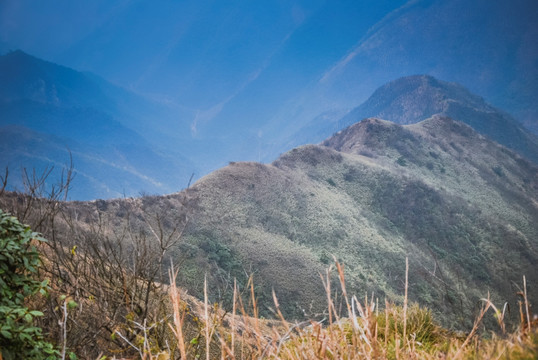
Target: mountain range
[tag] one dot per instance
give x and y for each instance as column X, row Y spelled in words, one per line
column 411, row 99
column 462, row 208
column 51, row 113
column 450, row 183
column 252, row 145
column 123, row 144
column 245, row 77
column 487, row 47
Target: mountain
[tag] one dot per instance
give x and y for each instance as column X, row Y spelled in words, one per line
column 49, row 111
column 487, row 47
column 245, row 76
column 462, row 208
column 412, row 99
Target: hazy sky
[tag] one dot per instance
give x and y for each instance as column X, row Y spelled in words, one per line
column 260, row 64
column 198, row 54
column 250, row 79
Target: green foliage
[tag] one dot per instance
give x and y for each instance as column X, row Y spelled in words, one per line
column 419, row 324
column 220, row 254
column 324, row 257
column 401, row 161
column 19, row 262
column 498, row 170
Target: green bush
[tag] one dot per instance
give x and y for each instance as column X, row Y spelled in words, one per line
column 19, row 261
column 401, row 161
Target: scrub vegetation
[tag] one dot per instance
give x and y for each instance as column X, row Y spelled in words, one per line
column 230, row 267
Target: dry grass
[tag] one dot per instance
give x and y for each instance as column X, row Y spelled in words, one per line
column 361, row 331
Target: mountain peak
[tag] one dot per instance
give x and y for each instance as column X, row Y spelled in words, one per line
column 370, row 137
column 411, row 99
column 25, row 77
column 19, row 63
column 17, row 55
column 432, row 185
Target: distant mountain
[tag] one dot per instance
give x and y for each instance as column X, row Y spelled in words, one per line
column 461, row 207
column 155, row 143
column 53, row 110
column 412, row 99
column 280, row 65
column 488, row 47
column 99, row 171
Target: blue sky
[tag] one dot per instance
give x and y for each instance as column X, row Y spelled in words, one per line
column 199, row 55
column 246, row 80
column 244, row 69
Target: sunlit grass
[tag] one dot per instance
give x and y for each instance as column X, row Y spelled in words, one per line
column 350, row 329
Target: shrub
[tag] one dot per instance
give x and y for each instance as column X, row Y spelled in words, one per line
column 19, row 261
column 401, row 161
column 498, row 170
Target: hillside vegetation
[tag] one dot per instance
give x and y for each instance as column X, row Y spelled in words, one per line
column 461, row 208
column 411, row 99
column 90, row 323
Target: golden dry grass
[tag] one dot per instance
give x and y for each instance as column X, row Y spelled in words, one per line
column 361, row 331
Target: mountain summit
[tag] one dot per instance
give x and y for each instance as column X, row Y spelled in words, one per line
column 411, row 99
column 375, row 193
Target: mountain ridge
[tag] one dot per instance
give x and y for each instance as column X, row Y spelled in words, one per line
column 415, row 98
column 461, row 208
column 105, row 129
column 454, row 202
column 121, row 130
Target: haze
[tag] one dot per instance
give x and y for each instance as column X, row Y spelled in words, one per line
column 243, row 80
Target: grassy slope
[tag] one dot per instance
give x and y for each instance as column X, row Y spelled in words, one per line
column 461, row 207
column 411, row 99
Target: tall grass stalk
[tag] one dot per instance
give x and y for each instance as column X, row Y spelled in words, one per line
column 178, row 312
column 526, row 304
column 405, row 299
column 366, row 332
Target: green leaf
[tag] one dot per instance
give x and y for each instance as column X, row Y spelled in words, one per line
column 25, row 337
column 19, row 260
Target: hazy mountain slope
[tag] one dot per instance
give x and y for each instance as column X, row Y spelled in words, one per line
column 412, row 99
column 490, row 51
column 66, row 109
column 463, row 208
column 278, row 66
column 488, row 47
column 100, row 171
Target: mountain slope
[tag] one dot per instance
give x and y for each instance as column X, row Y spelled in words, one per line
column 498, row 61
column 284, row 64
column 99, row 171
column 412, row 99
column 488, row 47
column 462, row 208
column 101, row 125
